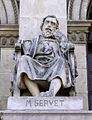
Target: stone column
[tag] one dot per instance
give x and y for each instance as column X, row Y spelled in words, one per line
column 32, row 13
column 78, row 33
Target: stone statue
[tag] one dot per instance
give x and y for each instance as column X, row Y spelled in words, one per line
column 45, row 61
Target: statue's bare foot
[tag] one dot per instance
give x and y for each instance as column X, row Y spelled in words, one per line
column 47, row 94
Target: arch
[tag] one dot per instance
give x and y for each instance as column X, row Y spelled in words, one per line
column 69, row 9
column 83, row 10
column 77, row 9
column 89, row 11
column 9, row 12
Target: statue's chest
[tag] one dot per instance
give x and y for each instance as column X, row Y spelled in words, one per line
column 47, row 46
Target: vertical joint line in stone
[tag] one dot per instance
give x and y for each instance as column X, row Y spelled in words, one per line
column 0, row 54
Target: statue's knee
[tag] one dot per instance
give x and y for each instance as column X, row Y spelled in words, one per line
column 57, row 81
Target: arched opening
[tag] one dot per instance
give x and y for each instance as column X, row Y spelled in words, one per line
column 89, row 11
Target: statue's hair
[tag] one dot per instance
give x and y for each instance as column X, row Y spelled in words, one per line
column 52, row 16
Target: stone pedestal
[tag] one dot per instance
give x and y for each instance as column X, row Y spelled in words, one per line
column 45, row 103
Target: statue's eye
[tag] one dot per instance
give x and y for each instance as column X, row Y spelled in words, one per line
column 52, row 23
column 47, row 22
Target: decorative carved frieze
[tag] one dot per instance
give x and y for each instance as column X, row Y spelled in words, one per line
column 78, row 31
column 7, row 42
column 78, row 36
column 8, row 35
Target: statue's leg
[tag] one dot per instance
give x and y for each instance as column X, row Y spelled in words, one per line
column 55, row 85
column 32, row 87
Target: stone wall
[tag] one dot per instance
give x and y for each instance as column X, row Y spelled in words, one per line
column 33, row 12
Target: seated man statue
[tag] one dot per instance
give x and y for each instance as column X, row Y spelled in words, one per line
column 44, row 61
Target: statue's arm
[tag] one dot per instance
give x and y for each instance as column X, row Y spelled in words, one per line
column 67, row 48
column 65, row 44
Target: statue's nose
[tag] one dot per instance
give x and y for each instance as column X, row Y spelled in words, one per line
column 49, row 24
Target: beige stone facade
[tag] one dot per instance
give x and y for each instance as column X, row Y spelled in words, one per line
column 78, row 29
column 38, row 10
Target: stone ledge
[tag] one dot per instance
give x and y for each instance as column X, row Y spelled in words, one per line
column 44, row 111
column 50, row 115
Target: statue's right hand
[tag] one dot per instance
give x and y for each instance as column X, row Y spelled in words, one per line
column 27, row 44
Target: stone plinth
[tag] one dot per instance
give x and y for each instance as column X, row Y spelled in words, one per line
column 47, row 115
column 45, row 103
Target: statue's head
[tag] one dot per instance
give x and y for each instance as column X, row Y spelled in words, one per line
column 49, row 25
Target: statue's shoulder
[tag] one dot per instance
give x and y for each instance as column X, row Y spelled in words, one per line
column 35, row 38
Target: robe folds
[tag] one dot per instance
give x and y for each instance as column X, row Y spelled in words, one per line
column 47, row 59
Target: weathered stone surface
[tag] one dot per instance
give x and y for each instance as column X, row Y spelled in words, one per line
column 80, row 51
column 78, row 10
column 3, row 102
column 81, row 80
column 46, row 115
column 45, row 103
column 36, row 7
column 9, row 14
column 32, row 13
column 6, row 71
column 7, row 63
column 5, row 79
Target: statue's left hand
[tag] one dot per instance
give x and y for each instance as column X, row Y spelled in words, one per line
column 57, row 34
